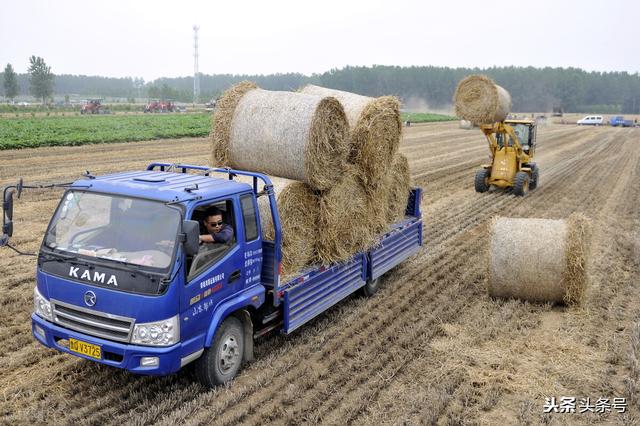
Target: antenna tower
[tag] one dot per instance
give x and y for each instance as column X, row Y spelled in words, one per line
column 196, row 72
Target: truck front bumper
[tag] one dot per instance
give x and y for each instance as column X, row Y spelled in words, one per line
column 120, row 355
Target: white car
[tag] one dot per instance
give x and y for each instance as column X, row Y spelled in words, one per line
column 595, row 120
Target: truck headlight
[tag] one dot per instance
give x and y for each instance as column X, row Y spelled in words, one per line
column 160, row 333
column 41, row 306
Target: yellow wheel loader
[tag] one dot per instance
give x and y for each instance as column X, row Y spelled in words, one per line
column 512, row 144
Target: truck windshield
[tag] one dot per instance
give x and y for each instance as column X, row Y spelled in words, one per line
column 133, row 231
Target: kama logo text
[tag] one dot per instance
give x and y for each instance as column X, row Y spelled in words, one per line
column 97, row 277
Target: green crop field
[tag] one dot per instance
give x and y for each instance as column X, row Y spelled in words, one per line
column 425, row 117
column 31, row 132
column 77, row 130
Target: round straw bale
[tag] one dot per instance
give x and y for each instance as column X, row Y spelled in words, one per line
column 264, row 207
column 345, row 223
column 396, row 189
column 298, row 209
column 466, row 125
column 479, row 100
column 287, row 134
column 375, row 131
column 221, row 122
column 539, row 260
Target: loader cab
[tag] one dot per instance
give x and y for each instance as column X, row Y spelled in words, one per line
column 526, row 131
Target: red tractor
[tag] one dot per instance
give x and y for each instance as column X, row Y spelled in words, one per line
column 160, row 106
column 93, row 106
column 153, row 106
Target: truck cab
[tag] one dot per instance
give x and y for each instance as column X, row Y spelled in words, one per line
column 619, row 120
column 123, row 280
column 114, row 245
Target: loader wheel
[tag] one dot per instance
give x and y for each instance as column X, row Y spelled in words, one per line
column 521, row 185
column 221, row 362
column 535, row 174
column 371, row 287
column 482, row 180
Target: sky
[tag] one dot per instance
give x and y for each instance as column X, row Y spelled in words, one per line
column 152, row 39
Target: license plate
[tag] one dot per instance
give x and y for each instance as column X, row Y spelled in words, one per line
column 85, row 348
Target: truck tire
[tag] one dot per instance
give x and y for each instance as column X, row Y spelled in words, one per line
column 482, row 180
column 371, row 287
column 535, row 175
column 521, row 185
column 222, row 361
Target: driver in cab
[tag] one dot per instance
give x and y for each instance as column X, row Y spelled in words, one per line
column 217, row 230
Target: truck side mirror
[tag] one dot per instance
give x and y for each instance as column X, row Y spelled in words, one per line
column 7, row 215
column 191, row 230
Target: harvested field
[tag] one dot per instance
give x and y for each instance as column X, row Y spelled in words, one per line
column 431, row 347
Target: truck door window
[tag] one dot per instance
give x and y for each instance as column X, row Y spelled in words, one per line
column 249, row 217
column 223, row 231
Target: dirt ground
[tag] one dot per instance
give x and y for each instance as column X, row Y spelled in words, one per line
column 430, row 348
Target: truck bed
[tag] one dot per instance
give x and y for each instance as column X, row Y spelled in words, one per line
column 317, row 289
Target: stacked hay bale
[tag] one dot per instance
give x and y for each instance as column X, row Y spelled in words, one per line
column 287, row 134
column 326, row 208
column 346, row 226
column 298, row 209
column 376, row 129
column 539, row 260
column 479, row 100
column 375, row 132
column 397, row 189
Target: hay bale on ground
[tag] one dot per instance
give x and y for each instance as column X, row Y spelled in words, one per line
column 375, row 131
column 346, row 225
column 396, row 189
column 466, row 125
column 539, row 260
column 479, row 100
column 292, row 135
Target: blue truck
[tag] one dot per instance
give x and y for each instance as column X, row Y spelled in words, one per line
column 619, row 120
column 122, row 279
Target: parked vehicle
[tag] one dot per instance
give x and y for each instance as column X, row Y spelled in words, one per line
column 592, row 120
column 121, row 279
column 619, row 120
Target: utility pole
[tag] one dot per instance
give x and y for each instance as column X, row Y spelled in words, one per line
column 196, row 72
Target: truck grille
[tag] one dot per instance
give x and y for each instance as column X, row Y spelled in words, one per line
column 94, row 323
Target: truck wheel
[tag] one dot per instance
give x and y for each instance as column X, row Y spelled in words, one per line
column 535, row 174
column 371, row 287
column 482, row 180
column 521, row 185
column 222, row 361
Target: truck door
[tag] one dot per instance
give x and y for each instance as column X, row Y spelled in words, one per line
column 252, row 240
column 217, row 271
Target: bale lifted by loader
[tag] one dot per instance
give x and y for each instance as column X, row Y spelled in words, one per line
column 512, row 144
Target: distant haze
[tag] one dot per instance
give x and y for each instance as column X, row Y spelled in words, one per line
column 417, row 104
column 151, row 39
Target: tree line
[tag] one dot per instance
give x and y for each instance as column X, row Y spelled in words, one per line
column 532, row 89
